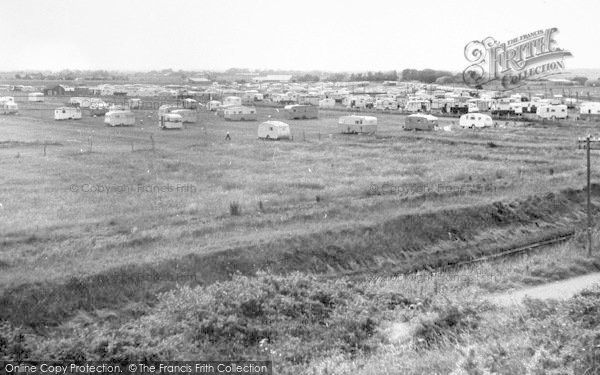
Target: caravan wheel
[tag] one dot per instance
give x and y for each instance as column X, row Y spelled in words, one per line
column 553, row 118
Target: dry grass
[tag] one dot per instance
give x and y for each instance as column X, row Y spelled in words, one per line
column 54, row 233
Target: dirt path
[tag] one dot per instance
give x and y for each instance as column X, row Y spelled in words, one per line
column 557, row 290
column 402, row 332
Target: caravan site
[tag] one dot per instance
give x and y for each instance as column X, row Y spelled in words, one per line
column 315, row 188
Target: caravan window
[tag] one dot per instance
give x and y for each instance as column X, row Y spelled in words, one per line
column 271, row 128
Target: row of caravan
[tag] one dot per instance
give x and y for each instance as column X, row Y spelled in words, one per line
column 235, row 112
column 357, row 124
column 169, row 120
column 275, row 130
column 111, row 118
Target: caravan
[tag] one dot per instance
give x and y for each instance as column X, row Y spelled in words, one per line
column 190, row 104
column 301, row 111
column 8, row 105
column 357, row 124
column 418, row 106
column 327, row 103
column 589, row 111
column 187, row 115
column 98, row 108
column 475, row 120
column 552, row 111
column 170, row 121
column 9, row 108
column 67, row 113
column 274, row 130
column 166, row 108
column 386, row 104
column 240, row 113
column 35, row 97
column 213, row 105
column 420, row 122
column 135, row 104
column 119, row 118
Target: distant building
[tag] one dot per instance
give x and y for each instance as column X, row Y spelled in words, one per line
column 199, row 81
column 82, row 91
column 58, row 90
column 273, row 78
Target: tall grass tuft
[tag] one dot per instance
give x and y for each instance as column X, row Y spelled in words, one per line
column 235, row 209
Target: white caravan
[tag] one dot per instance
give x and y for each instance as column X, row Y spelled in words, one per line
column 357, row 124
column 213, row 105
column 119, row 118
column 187, row 115
column 35, row 97
column 170, row 121
column 274, row 130
column 67, row 113
column 552, row 111
column 475, row 120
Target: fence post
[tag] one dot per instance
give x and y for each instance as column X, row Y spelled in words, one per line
column 152, row 140
column 131, row 146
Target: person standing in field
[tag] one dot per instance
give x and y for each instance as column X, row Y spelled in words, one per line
column 227, row 137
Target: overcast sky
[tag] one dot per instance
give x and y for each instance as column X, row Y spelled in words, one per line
column 329, row 35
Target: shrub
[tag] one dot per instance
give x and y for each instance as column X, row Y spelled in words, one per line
column 449, row 322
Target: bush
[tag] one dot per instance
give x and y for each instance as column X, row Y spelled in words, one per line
column 450, row 321
column 296, row 318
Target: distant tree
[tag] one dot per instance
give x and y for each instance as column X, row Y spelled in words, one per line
column 425, row 75
column 307, row 78
column 445, row 80
column 580, row 80
column 336, row 77
column 17, row 76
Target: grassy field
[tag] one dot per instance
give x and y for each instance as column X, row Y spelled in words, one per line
column 100, row 204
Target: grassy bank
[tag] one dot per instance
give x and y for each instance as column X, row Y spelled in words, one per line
column 310, row 325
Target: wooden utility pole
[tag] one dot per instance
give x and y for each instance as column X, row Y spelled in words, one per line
column 588, row 143
column 589, row 210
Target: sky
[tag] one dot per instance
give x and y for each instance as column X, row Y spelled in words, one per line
column 324, row 35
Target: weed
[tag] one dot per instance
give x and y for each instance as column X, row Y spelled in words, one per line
column 235, row 209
